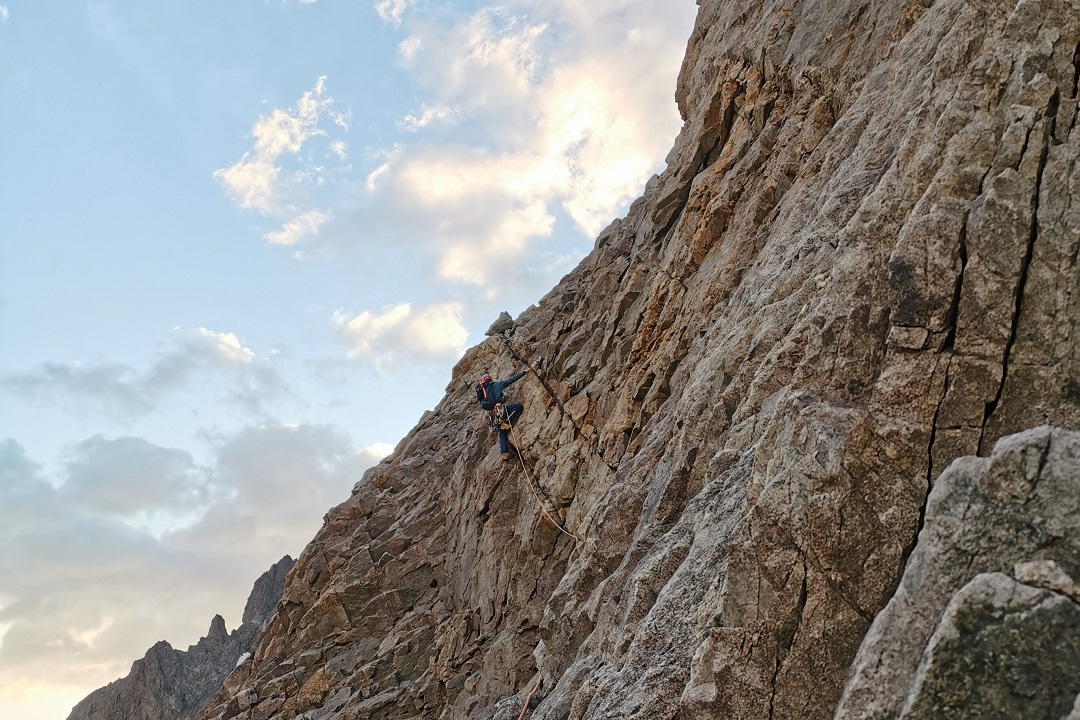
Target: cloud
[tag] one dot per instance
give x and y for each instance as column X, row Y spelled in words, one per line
column 302, row 226
column 113, row 386
column 392, row 10
column 258, row 181
column 84, row 590
column 4, row 13
column 227, row 346
column 377, row 451
column 280, row 480
column 130, row 477
column 561, row 111
column 252, row 183
column 401, row 333
column 116, row 388
column 428, row 114
column 572, row 105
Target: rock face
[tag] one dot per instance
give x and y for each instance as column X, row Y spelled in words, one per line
column 859, row 265
column 503, row 323
column 168, row 684
column 1002, row 647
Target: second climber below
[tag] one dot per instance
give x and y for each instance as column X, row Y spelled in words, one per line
column 501, row 415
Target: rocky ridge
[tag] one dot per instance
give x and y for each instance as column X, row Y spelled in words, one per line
column 169, row 684
column 859, row 265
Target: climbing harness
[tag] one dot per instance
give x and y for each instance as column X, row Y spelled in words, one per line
column 501, row 417
column 498, row 419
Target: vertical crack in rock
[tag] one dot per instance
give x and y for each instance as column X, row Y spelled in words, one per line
column 910, row 548
column 682, row 198
column 1021, row 286
column 786, row 635
column 1044, row 456
column 1076, row 72
column 723, row 132
column 485, row 510
column 948, row 346
column 954, row 309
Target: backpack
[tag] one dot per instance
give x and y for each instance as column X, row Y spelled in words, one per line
column 483, row 397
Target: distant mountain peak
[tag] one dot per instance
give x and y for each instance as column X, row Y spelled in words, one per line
column 169, row 684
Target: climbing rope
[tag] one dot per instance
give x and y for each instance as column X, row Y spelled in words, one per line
column 528, row 698
column 532, row 486
column 594, row 442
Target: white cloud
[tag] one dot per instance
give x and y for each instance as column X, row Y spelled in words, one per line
column 392, row 10
column 410, row 46
column 252, row 182
column 83, row 592
column 562, row 111
column 378, row 450
column 301, row 227
column 401, row 333
column 575, row 105
column 258, row 181
column 4, row 13
column 488, row 62
column 387, row 159
column 428, row 114
column 227, row 346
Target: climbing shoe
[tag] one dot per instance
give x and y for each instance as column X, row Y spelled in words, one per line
column 504, row 426
column 509, row 455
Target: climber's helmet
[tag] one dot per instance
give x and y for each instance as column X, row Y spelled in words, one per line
column 485, row 378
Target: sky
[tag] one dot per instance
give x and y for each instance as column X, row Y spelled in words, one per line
column 242, row 243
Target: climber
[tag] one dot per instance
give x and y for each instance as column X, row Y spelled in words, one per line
column 500, row 414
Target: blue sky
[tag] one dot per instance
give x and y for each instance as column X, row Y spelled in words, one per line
column 241, row 245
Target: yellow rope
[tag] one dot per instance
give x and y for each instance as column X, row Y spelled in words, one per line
column 528, row 698
column 528, row 476
column 532, row 487
column 593, row 442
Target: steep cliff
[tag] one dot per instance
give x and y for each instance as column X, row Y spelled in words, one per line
column 168, row 684
column 859, row 264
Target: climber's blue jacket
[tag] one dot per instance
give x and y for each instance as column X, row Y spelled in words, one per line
column 495, row 388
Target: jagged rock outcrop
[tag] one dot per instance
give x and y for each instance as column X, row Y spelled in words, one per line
column 503, row 323
column 169, row 684
column 960, row 638
column 859, row 265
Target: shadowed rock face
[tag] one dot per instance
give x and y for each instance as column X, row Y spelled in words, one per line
column 859, row 264
column 168, row 684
